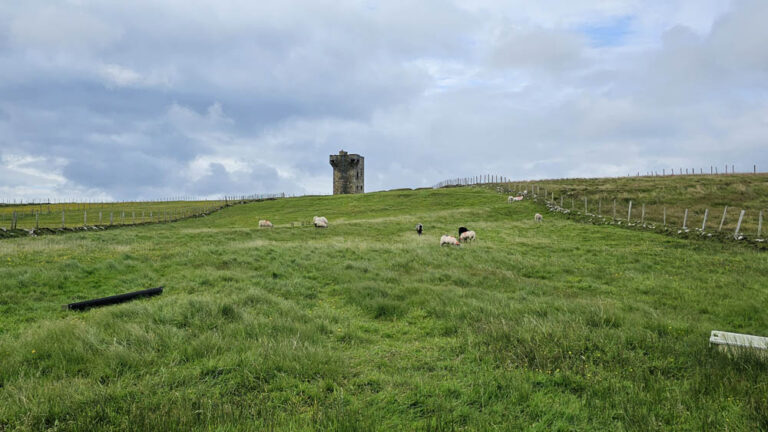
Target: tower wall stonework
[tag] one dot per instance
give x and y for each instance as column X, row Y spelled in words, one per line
column 348, row 173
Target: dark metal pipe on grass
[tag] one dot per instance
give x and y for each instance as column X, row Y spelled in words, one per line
column 115, row 299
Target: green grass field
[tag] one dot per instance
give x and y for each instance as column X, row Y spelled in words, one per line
column 366, row 326
column 697, row 193
column 30, row 216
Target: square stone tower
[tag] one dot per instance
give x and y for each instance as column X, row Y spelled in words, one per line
column 348, row 173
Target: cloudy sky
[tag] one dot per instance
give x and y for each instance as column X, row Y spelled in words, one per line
column 150, row 98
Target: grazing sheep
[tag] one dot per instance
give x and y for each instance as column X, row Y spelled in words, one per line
column 448, row 240
column 537, row 217
column 320, row 222
column 467, row 236
column 462, row 230
column 265, row 224
column 512, row 199
column 419, row 228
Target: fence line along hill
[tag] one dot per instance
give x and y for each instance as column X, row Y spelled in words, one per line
column 705, row 203
column 26, row 218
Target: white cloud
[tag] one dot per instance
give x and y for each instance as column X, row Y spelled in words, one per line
column 59, row 28
column 537, row 48
column 120, row 76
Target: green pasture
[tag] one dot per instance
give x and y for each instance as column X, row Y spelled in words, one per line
column 672, row 195
column 58, row 215
column 367, row 326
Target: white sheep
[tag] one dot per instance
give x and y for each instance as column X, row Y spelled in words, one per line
column 512, row 199
column 320, row 222
column 538, row 217
column 265, row 224
column 467, row 236
column 448, row 240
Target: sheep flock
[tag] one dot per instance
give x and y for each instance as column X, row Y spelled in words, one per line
column 465, row 235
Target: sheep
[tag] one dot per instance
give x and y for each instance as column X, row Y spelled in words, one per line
column 512, row 199
column 462, row 230
column 448, row 240
column 537, row 217
column 419, row 228
column 265, row 224
column 320, row 222
column 467, row 236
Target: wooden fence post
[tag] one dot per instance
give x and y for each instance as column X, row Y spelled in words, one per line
column 13, row 220
column 704, row 224
column 685, row 219
column 614, row 209
column 111, row 218
column 665, row 215
column 760, row 224
column 722, row 221
column 62, row 218
column 586, row 209
column 629, row 212
column 37, row 219
column 642, row 215
column 599, row 207
column 738, row 225
column 133, row 216
column 85, row 217
column 99, row 218
column 561, row 201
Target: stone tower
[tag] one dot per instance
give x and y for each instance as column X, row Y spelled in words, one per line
column 348, row 173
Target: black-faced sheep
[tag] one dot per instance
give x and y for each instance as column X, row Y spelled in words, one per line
column 419, row 228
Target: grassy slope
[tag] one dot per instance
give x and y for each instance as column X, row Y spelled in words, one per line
column 50, row 214
column 365, row 325
column 676, row 193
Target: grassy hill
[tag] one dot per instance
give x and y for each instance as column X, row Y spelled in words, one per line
column 366, row 326
column 697, row 193
column 41, row 215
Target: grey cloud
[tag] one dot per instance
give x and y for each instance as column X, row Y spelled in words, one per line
column 262, row 178
column 148, row 99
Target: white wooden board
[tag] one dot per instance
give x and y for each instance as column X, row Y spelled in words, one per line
column 738, row 340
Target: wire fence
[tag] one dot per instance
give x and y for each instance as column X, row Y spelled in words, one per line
column 473, row 180
column 33, row 218
column 734, row 221
column 743, row 220
column 713, row 170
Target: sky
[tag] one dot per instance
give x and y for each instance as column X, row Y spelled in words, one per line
column 163, row 98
